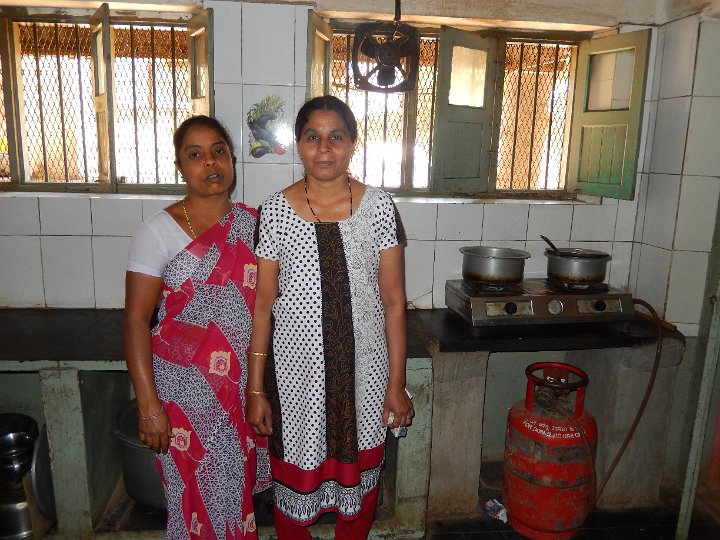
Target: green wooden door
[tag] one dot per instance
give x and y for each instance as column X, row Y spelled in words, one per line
column 465, row 100
column 607, row 115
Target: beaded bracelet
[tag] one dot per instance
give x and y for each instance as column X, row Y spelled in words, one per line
column 152, row 416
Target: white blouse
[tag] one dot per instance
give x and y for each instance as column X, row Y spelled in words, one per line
column 157, row 242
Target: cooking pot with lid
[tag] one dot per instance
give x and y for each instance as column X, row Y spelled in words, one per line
column 577, row 265
column 493, row 265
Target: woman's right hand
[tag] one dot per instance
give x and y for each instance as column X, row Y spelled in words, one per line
column 155, row 432
column 259, row 414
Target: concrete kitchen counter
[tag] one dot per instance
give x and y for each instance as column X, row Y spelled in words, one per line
column 75, row 358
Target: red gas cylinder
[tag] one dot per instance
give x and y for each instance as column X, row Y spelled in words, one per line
column 548, row 474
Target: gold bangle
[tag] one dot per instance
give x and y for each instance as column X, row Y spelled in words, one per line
column 257, row 392
column 152, row 416
column 257, row 353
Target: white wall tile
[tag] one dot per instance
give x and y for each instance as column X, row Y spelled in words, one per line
column 153, row 205
column 593, row 223
column 229, row 110
column 679, row 57
column 701, row 155
column 670, row 133
column 68, row 272
column 109, row 264
column 626, row 217
column 65, row 215
column 262, row 180
column 227, row 31
column 647, row 136
column 419, row 267
column 657, row 61
column 619, row 267
column 661, row 210
column 505, row 222
column 686, row 292
column 653, row 274
column 301, row 44
column 641, row 188
column 283, row 125
column 267, row 44
column 19, row 216
column 551, row 220
column 115, row 217
column 697, row 213
column 448, row 265
column 707, row 74
column 634, row 267
column 688, row 330
column 419, row 219
column 460, row 222
column 22, row 272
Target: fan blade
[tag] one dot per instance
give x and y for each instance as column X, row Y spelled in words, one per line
column 386, row 76
column 405, row 46
column 369, row 46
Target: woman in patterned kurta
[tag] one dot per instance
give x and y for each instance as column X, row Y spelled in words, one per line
column 330, row 273
column 190, row 371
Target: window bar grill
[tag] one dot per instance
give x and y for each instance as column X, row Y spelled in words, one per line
column 385, row 136
column 432, row 113
column 552, row 109
column 538, row 56
column 173, row 70
column 61, row 102
column 153, row 64
column 517, row 115
column 83, row 141
column 133, row 77
column 38, row 74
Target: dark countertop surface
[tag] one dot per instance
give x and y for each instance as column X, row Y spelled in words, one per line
column 82, row 335
column 453, row 334
column 96, row 335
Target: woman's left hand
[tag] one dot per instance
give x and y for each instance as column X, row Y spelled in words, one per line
column 397, row 402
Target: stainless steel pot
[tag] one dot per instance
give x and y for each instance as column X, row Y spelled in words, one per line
column 577, row 266
column 140, row 471
column 493, row 265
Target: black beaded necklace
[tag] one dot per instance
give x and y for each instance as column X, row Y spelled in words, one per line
column 307, row 198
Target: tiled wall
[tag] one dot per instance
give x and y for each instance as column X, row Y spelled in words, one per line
column 680, row 183
column 70, row 250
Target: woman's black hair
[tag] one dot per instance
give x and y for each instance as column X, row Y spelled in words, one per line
column 212, row 123
column 326, row 103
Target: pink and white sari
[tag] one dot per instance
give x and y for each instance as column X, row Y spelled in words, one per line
column 215, row 462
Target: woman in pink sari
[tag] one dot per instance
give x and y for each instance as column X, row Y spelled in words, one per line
column 189, row 371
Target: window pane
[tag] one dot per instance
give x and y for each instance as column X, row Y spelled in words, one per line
column 385, row 126
column 59, row 113
column 4, row 158
column 534, row 108
column 467, row 79
column 610, row 81
column 152, row 97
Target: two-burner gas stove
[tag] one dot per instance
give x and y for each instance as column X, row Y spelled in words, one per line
column 537, row 301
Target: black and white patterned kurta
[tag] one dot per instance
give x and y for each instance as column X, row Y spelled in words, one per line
column 329, row 371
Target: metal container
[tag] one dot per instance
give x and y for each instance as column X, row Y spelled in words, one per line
column 140, row 469
column 493, row 265
column 17, row 440
column 577, row 266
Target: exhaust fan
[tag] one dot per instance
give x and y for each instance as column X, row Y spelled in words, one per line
column 392, row 52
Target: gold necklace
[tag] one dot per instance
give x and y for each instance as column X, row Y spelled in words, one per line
column 187, row 219
column 307, row 198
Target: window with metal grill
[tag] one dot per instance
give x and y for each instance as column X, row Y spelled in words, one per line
column 59, row 141
column 533, row 123
column 394, row 130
